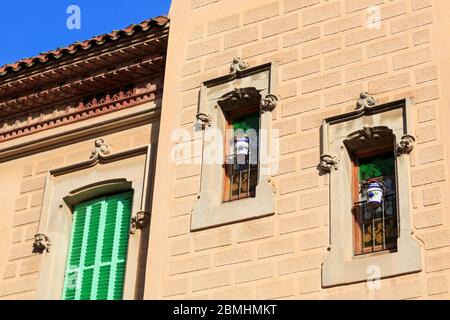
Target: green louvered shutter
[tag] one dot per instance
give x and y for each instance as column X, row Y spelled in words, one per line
column 98, row 249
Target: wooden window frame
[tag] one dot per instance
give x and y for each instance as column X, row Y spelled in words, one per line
column 356, row 214
column 226, row 185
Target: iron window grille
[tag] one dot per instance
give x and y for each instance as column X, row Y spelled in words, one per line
column 378, row 226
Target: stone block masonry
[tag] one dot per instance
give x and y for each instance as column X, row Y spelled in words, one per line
column 327, row 55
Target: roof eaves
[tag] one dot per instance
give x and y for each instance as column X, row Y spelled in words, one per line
column 74, row 48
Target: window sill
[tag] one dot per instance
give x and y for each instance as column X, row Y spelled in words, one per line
column 374, row 254
column 336, row 270
column 207, row 214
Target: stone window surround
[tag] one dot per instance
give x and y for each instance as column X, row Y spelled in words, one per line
column 209, row 210
column 102, row 174
column 341, row 266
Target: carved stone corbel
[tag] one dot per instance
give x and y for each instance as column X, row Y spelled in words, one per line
column 204, row 120
column 369, row 137
column 100, row 150
column 238, row 65
column 268, row 103
column 328, row 162
column 365, row 101
column 406, row 144
column 139, row 221
column 41, row 243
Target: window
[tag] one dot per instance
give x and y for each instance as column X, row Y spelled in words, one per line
column 241, row 159
column 98, row 249
column 235, row 115
column 366, row 154
column 68, row 188
column 375, row 226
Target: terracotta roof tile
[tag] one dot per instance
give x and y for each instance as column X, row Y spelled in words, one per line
column 76, row 47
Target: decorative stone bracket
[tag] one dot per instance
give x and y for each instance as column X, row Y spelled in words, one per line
column 365, row 101
column 238, row 65
column 101, row 150
column 240, row 97
column 268, row 103
column 328, row 162
column 139, row 221
column 41, row 243
column 203, row 120
column 406, row 144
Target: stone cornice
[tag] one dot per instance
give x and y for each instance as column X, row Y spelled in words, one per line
column 81, row 86
column 48, row 142
column 92, row 161
column 94, row 107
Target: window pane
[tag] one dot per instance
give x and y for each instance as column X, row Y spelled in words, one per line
column 391, row 231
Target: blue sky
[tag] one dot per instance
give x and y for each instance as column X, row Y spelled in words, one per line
column 28, row 27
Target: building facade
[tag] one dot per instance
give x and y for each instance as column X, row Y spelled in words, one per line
column 79, row 133
column 272, row 149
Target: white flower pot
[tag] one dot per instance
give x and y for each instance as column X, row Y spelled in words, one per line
column 242, row 145
column 374, row 195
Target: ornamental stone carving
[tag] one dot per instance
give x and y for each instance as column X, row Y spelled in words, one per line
column 139, row 221
column 240, row 97
column 365, row 101
column 101, row 149
column 203, row 120
column 328, row 162
column 268, row 103
column 369, row 137
column 238, row 65
column 41, row 243
column 406, row 144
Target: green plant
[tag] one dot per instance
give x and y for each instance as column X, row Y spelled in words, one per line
column 376, row 167
column 246, row 123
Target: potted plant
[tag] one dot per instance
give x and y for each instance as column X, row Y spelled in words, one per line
column 241, row 145
column 374, row 190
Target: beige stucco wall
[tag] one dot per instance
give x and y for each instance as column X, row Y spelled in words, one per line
column 22, row 181
column 327, row 56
